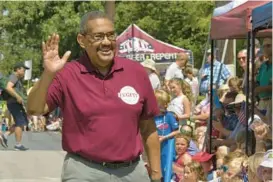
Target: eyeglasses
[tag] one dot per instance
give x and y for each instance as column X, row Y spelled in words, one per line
column 241, row 58
column 99, row 37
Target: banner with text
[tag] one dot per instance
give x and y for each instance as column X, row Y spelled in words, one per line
column 138, row 45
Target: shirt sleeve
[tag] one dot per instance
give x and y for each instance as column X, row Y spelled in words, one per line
column 169, row 73
column 172, row 122
column 13, row 79
column 225, row 72
column 55, row 94
column 150, row 108
column 179, row 74
column 155, row 81
column 258, row 78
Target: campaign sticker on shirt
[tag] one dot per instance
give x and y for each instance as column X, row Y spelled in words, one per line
column 128, row 95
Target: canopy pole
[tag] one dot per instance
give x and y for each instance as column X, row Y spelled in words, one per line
column 211, row 96
column 203, row 61
column 247, row 89
column 224, row 52
column 234, row 56
column 252, row 86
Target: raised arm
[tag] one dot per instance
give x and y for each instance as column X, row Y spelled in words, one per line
column 52, row 64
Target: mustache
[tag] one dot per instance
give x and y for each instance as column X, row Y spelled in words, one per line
column 105, row 47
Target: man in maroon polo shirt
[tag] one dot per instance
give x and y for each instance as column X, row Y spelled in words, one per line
column 107, row 103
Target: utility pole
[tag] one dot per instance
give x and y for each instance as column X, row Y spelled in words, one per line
column 109, row 8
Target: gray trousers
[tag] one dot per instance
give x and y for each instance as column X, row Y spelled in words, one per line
column 77, row 169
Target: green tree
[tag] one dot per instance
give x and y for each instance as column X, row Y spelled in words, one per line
column 24, row 25
column 184, row 24
column 27, row 24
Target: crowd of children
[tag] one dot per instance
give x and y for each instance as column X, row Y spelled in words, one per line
column 185, row 119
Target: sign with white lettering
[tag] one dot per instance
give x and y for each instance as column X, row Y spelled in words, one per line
column 128, row 95
column 137, row 45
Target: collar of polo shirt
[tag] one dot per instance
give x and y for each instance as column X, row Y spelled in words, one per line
column 87, row 67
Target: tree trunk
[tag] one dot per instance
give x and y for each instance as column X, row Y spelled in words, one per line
column 109, row 8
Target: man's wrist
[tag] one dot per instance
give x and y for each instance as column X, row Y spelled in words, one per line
column 156, row 180
column 155, row 175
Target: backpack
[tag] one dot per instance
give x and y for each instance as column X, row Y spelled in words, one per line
column 4, row 94
column 3, row 84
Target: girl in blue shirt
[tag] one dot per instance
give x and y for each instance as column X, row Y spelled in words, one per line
column 166, row 124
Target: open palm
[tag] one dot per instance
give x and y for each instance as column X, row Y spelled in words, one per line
column 52, row 61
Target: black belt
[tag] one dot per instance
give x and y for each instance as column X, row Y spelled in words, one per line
column 112, row 165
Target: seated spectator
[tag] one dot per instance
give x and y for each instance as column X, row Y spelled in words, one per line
column 187, row 130
column 201, row 112
column 266, row 166
column 235, row 164
column 183, row 158
column 254, row 162
column 230, row 118
column 200, row 137
column 263, row 136
column 241, row 140
column 193, row 173
column 222, row 91
column 218, row 115
column 238, row 108
column 207, row 162
column 221, row 153
column 204, row 102
column 235, row 84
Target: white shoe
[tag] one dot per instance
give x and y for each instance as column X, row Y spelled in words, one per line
column 54, row 126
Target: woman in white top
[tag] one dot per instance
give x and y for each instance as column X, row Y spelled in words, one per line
column 149, row 66
column 181, row 103
column 193, row 81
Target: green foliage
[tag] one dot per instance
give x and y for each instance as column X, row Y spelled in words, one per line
column 29, row 23
column 24, row 25
column 184, row 24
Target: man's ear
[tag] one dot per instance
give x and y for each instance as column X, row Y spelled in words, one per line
column 80, row 39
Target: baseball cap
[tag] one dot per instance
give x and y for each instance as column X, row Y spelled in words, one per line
column 268, row 159
column 202, row 157
column 20, row 65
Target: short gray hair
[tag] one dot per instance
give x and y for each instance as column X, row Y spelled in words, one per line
column 244, row 51
column 92, row 15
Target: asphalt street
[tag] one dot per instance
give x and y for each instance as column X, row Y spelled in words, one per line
column 41, row 163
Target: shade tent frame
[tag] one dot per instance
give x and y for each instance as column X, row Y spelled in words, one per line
column 241, row 16
column 262, row 17
column 260, row 23
column 236, row 23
